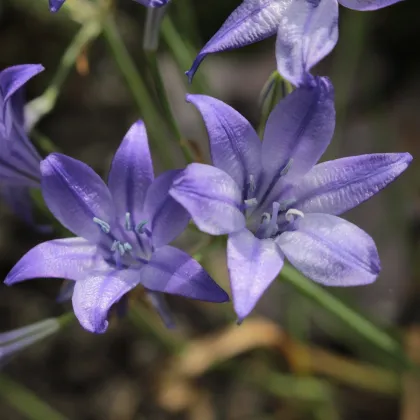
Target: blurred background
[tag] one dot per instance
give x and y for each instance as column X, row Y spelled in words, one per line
column 291, row 360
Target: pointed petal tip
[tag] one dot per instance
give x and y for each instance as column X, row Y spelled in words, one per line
column 97, row 328
column 191, row 72
column 406, row 157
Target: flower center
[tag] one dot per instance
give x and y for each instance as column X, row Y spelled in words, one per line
column 272, row 224
column 130, row 245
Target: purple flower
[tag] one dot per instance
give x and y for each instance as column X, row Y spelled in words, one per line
column 310, row 26
column 275, row 202
column 122, row 233
column 55, row 5
column 19, row 160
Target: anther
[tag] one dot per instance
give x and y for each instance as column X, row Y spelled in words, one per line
column 140, row 227
column 251, row 202
column 251, row 184
column 121, row 248
column 286, row 168
column 265, row 218
column 127, row 246
column 128, row 225
column 103, row 225
column 114, row 245
column 292, row 213
column 272, row 226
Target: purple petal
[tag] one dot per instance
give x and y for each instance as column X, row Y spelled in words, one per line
column 69, row 258
column 55, row 5
column 94, row 296
column 253, row 264
column 212, row 198
column 66, row 291
column 252, row 21
column 367, row 4
column 152, row 3
column 297, row 132
column 131, row 174
column 339, row 185
column 15, row 173
column 331, row 251
column 166, row 218
column 13, row 78
column 307, row 32
column 76, row 195
column 158, row 301
column 171, row 270
column 234, row 145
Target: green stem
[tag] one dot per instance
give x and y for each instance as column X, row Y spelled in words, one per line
column 45, row 103
column 138, row 89
column 25, row 401
column 183, row 53
column 352, row 319
column 162, row 97
column 271, row 93
column 66, row 319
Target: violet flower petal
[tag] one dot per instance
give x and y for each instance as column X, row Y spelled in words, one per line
column 152, row 3
column 212, row 198
column 171, row 270
column 366, row 5
column 331, row 251
column 297, row 132
column 234, row 145
column 165, row 217
column 55, row 5
column 339, row 185
column 131, row 174
column 252, row 21
column 94, row 296
column 69, row 258
column 75, row 194
column 13, row 78
column 158, row 301
column 253, row 264
column 307, row 32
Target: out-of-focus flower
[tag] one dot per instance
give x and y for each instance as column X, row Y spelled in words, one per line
column 310, row 23
column 19, row 160
column 123, row 230
column 55, row 5
column 16, row 340
column 274, row 202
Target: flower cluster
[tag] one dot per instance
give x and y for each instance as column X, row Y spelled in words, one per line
column 271, row 197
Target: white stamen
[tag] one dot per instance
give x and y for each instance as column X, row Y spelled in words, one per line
column 292, row 213
column 140, row 227
column 127, row 246
column 252, row 185
column 103, row 225
column 251, row 202
column 287, row 167
column 128, row 225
